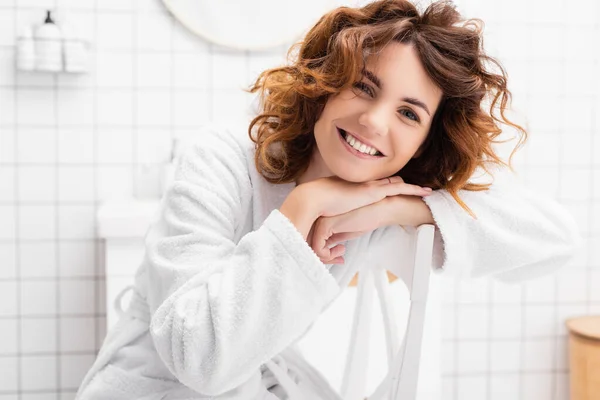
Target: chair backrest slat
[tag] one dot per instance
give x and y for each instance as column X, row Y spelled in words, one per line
column 388, row 313
column 355, row 375
column 401, row 380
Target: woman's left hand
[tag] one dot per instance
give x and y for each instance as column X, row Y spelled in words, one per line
column 327, row 231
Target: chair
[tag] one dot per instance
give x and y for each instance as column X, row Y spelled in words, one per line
column 400, row 383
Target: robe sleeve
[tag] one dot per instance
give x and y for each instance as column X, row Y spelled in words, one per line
column 519, row 233
column 220, row 309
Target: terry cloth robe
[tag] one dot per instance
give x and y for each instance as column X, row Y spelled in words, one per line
column 228, row 285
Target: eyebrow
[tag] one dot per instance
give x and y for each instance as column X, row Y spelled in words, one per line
column 411, row 100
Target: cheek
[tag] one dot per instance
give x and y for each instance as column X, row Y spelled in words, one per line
column 404, row 151
column 327, row 112
column 406, row 143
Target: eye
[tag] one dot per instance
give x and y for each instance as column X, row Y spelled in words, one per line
column 411, row 115
column 365, row 88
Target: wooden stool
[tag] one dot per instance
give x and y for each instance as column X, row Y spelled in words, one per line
column 584, row 357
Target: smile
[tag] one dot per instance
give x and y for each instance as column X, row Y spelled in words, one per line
column 344, row 135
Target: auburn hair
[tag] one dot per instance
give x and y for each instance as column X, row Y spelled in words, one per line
column 331, row 58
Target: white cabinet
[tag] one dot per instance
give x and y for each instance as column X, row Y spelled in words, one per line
column 123, row 225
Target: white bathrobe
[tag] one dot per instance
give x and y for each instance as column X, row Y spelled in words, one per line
column 228, row 285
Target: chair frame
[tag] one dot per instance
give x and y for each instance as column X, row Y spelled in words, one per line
column 401, row 381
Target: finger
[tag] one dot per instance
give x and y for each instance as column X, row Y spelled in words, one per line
column 309, row 237
column 391, row 179
column 337, row 251
column 327, row 254
column 337, row 260
column 395, row 179
column 342, row 237
column 319, row 240
column 406, row 189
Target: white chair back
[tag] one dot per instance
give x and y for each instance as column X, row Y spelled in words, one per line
column 400, row 383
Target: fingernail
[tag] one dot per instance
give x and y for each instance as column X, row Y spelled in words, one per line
column 428, row 189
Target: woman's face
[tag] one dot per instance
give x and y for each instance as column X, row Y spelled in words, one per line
column 391, row 108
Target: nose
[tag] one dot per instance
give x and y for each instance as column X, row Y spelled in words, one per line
column 375, row 119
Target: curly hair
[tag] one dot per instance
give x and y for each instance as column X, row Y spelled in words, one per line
column 292, row 97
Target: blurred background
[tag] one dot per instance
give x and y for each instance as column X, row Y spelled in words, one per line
column 86, row 150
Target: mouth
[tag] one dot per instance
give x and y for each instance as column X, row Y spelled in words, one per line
column 344, row 136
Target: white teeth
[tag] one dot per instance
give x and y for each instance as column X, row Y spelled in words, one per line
column 363, row 148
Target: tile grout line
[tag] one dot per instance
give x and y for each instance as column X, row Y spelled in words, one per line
column 97, row 242
column 524, row 303
column 172, row 133
column 457, row 342
column 490, row 310
column 58, row 319
column 561, row 155
column 135, row 167
column 17, row 232
column 595, row 128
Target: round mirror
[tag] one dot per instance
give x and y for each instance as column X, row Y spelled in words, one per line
column 247, row 24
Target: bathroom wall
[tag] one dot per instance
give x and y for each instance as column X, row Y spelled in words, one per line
column 510, row 342
column 68, row 143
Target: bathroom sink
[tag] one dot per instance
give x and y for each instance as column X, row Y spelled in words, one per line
column 123, row 224
column 125, row 218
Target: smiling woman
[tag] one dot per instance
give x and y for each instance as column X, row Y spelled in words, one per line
column 414, row 91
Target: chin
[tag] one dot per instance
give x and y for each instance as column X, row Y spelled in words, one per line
column 351, row 176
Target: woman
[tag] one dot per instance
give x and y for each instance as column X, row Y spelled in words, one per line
column 264, row 227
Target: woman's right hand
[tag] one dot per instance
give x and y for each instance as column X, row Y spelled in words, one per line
column 332, row 195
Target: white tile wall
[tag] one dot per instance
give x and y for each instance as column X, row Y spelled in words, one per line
column 67, row 143
column 519, row 349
